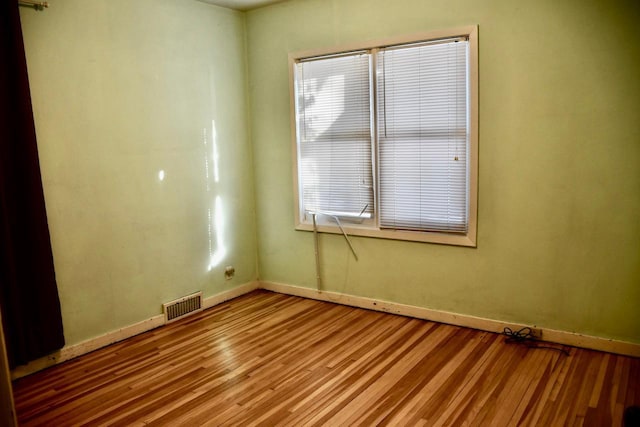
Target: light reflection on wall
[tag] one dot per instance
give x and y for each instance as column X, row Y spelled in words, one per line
column 216, row 256
column 217, row 250
column 161, row 175
column 214, row 151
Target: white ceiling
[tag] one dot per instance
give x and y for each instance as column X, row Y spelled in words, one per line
column 241, row 4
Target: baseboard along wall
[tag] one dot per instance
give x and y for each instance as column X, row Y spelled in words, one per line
column 489, row 325
column 72, row 351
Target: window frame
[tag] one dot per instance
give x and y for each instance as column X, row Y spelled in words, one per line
column 371, row 228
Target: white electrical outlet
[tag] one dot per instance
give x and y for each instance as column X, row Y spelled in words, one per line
column 536, row 333
column 229, row 272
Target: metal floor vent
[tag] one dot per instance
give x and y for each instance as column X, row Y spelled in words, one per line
column 182, row 307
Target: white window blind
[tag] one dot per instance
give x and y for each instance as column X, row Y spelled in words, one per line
column 423, row 137
column 333, row 111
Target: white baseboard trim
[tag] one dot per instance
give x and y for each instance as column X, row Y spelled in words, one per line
column 84, row 347
column 490, row 325
column 221, row 297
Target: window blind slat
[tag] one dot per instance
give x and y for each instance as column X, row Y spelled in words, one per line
column 334, row 134
column 423, row 137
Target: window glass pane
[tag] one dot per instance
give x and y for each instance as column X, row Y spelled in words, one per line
column 423, row 137
column 333, row 111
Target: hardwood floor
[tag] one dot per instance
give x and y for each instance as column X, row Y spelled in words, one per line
column 271, row 359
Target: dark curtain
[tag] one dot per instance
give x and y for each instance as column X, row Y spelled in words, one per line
column 28, row 294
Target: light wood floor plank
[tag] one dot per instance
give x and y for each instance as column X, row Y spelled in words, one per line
column 267, row 359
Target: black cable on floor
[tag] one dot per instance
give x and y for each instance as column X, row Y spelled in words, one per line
column 525, row 336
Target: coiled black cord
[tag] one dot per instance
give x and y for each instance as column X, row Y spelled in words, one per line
column 525, row 336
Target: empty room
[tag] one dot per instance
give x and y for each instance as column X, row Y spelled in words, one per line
column 320, row 212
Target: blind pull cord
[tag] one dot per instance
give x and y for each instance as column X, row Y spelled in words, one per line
column 346, row 237
column 315, row 241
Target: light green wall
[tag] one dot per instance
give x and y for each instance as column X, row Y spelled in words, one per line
column 559, row 177
column 124, row 89
column 121, row 90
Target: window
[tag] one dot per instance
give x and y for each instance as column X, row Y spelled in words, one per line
column 386, row 138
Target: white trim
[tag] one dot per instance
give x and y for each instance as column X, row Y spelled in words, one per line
column 413, row 236
column 463, row 31
column 490, row 325
column 468, row 239
column 84, row 347
column 216, row 299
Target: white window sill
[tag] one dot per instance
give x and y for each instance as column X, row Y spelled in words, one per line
column 412, row 236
